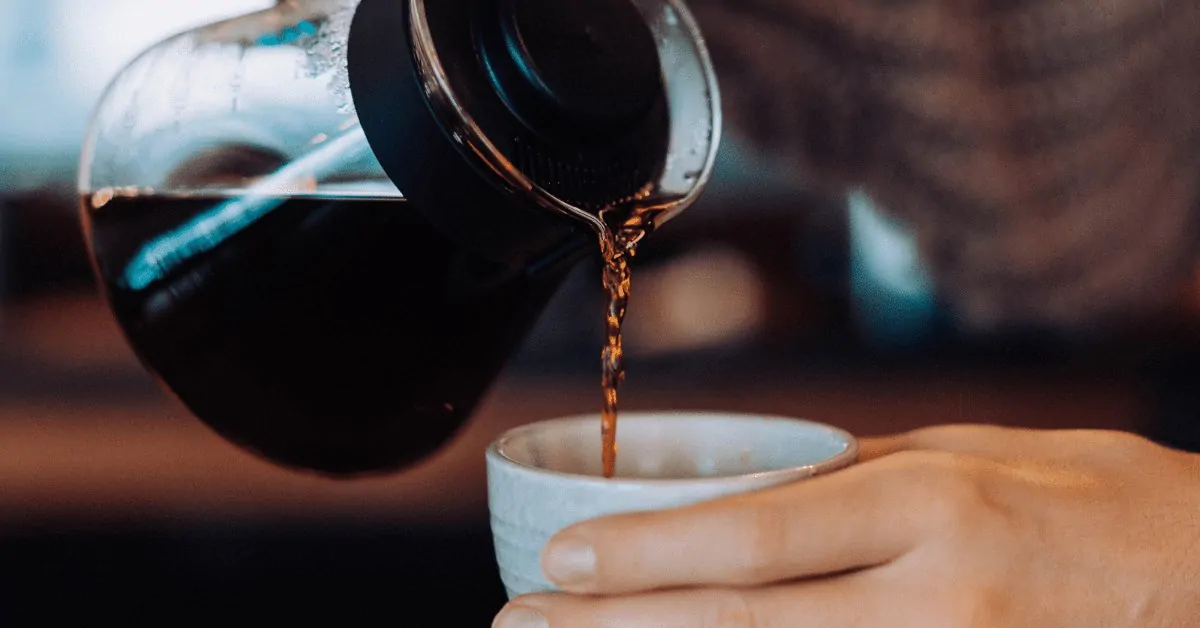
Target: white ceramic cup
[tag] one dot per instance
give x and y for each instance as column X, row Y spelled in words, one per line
column 545, row 477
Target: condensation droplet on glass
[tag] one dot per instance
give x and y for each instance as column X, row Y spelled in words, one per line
column 179, row 95
column 130, row 119
column 239, row 74
column 326, row 50
column 180, row 78
column 670, row 16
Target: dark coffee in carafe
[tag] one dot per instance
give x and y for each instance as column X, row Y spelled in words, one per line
column 342, row 335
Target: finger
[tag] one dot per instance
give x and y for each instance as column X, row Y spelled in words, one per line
column 856, row 518
column 985, row 441
column 846, row 602
column 874, row 448
column 995, row 443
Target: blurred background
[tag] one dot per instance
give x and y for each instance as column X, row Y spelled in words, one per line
column 116, row 505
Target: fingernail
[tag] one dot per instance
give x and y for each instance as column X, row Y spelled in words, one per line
column 521, row 617
column 570, row 561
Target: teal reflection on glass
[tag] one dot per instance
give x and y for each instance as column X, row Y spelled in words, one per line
column 204, row 233
column 289, row 35
column 200, row 235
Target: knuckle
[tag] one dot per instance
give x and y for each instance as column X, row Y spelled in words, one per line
column 925, row 468
column 946, row 491
column 955, row 509
column 942, row 435
column 768, row 540
column 1110, row 447
column 733, row 609
column 986, row 605
column 1127, row 442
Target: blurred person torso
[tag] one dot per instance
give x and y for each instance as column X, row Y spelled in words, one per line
column 1044, row 153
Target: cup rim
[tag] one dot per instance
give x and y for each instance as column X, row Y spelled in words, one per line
column 847, row 457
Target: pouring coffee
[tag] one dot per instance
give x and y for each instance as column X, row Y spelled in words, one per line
column 325, row 227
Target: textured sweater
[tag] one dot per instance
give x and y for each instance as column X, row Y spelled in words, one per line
column 1044, row 151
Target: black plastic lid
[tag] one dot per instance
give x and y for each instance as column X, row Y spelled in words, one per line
column 570, row 94
column 571, row 70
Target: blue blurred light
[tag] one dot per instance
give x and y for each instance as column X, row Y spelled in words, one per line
column 289, row 35
column 202, row 234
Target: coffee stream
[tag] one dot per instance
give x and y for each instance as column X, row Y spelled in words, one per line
column 617, row 247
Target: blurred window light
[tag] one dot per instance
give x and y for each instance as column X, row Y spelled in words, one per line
column 711, row 297
column 893, row 292
column 56, row 58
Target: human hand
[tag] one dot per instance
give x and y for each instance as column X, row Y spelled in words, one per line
column 955, row 527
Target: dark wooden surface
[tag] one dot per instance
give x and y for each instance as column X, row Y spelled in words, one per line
column 109, row 447
column 117, row 508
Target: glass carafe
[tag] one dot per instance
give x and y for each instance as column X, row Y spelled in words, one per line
column 326, row 226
